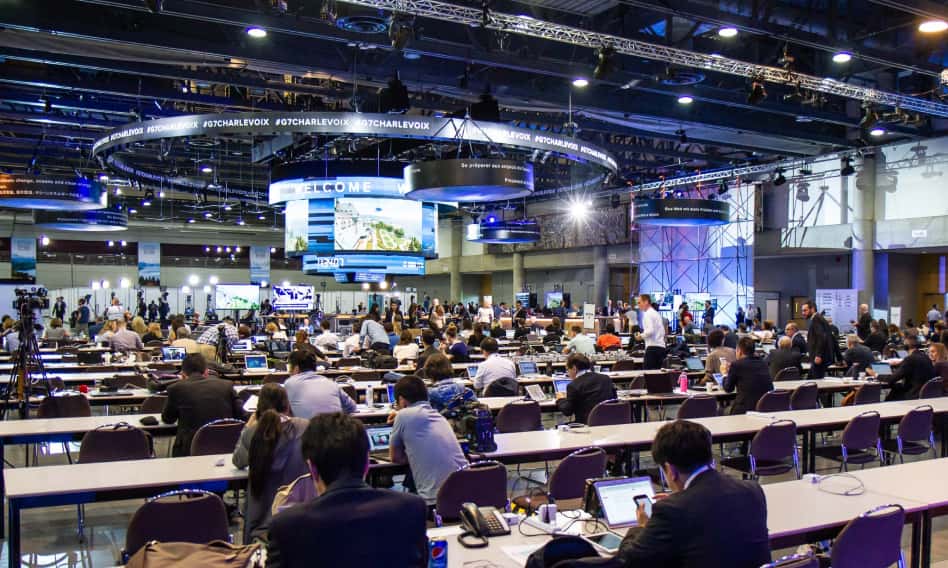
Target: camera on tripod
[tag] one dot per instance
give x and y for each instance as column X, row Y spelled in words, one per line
column 32, row 298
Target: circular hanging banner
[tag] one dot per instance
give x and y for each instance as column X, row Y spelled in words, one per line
column 468, row 180
column 88, row 221
column 504, row 232
column 680, row 212
column 55, row 193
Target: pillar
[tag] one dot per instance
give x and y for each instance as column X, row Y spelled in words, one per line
column 862, row 270
column 457, row 241
column 600, row 276
column 519, row 275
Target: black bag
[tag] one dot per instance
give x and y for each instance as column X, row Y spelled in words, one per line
column 159, row 382
column 504, row 386
column 561, row 549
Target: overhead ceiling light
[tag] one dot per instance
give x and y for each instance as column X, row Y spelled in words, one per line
column 213, row 280
column 580, row 82
column 103, row 178
column 685, row 100
column 727, row 31
column 877, row 131
column 44, row 240
column 261, row 217
column 132, row 211
column 933, row 26
column 256, row 32
column 206, row 168
column 191, row 220
column 273, row 250
column 842, row 57
column 208, row 214
column 241, row 222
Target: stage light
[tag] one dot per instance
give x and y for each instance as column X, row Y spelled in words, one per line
column 44, row 240
column 757, row 93
column 219, row 249
column 123, row 243
column 779, row 179
column 241, row 222
column 842, row 57
column 365, row 285
column 286, row 283
column 185, row 289
column 106, row 285
column 393, row 98
column 580, row 82
column 877, row 131
column 191, row 220
column 264, row 283
column 227, row 250
column 213, row 280
column 111, row 244
column 194, row 279
column 846, row 168
column 606, row 62
column 727, row 32
column 273, row 250
column 383, row 285
column 96, row 285
column 256, row 32
column 261, row 217
column 869, row 119
column 132, row 211
column 207, row 168
column 579, row 209
column 803, row 191
column 228, row 207
column 103, row 178
column 400, row 32
column 161, row 194
column 723, row 188
column 685, row 100
column 492, row 219
column 933, row 26
column 207, row 249
column 207, row 289
column 208, row 214
column 237, row 249
column 124, row 283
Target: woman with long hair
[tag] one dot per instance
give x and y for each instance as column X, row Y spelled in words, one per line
column 138, row 326
column 270, row 447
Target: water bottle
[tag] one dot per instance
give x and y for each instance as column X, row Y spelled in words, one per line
column 683, row 382
column 369, row 396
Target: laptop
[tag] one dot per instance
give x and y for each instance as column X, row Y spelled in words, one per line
column 882, row 369
column 559, row 385
column 472, row 371
column 659, row 384
column 694, row 364
column 379, row 441
column 535, row 393
column 509, row 333
column 527, row 368
column 260, row 338
column 173, row 353
column 242, row 345
column 624, row 340
column 616, row 499
column 340, row 346
column 256, row 362
column 767, row 347
column 719, row 379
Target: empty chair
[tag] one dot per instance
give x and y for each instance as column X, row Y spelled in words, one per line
column 217, row 437
column 188, row 515
column 568, row 480
column 153, row 404
column 871, row 540
column 519, row 416
column 698, row 406
column 71, row 406
column 934, row 388
column 774, row 401
column 805, row 397
column 483, row 483
column 504, row 386
column 624, row 365
column 795, row 561
column 915, row 435
column 788, row 374
column 773, row 451
column 609, row 412
column 869, row 393
column 859, row 443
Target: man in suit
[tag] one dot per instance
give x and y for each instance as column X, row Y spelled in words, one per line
column 797, row 341
column 865, row 322
column 686, row 528
column 198, row 400
column 783, row 357
column 748, row 375
column 819, row 341
column 858, row 357
column 911, row 374
column 875, row 341
column 730, row 337
column 390, row 525
column 586, row 389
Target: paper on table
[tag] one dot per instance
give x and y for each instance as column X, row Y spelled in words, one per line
column 520, row 553
column 251, row 404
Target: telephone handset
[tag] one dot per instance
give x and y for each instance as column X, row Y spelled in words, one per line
column 480, row 523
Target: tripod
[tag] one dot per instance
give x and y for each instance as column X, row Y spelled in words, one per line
column 26, row 362
column 223, row 346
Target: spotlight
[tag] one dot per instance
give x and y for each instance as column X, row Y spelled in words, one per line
column 219, row 249
column 933, row 26
column 185, row 289
column 161, row 194
column 44, row 240
column 757, row 93
column 365, row 285
column 685, row 100
column 191, row 220
column 877, row 131
column 261, row 217
column 847, row 168
column 727, row 32
column 227, row 250
column 273, row 250
column 132, row 211
column 228, row 207
column 579, row 209
column 207, row 289
column 383, row 285
column 285, row 283
column 206, row 168
column 95, row 285
column 111, row 244
column 722, row 187
column 103, row 178
column 256, row 32
column 106, row 285
column 803, row 191
column 393, row 98
column 241, row 222
column 869, row 119
column 237, row 249
column 779, row 179
column 123, row 243
column 207, row 249
column 842, row 57
column 400, row 32
column 194, row 280
column 124, row 283
column 606, row 62
column 208, row 214
column 213, row 280
column 148, row 198
column 580, row 82
column 264, row 283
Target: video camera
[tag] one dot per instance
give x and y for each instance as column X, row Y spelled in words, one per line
column 32, row 298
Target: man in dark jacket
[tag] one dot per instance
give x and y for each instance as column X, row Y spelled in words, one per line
column 863, row 326
column 911, row 374
column 198, row 400
column 783, row 357
column 858, row 357
column 321, row 532
column 748, row 375
column 819, row 341
column 797, row 341
column 876, row 340
column 685, row 529
column 586, row 389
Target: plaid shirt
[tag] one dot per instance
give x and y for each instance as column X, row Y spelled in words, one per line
column 210, row 335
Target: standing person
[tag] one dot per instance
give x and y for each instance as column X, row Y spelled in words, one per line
column 320, row 532
column 82, row 319
column 749, row 376
column 708, row 316
column 485, row 314
column 153, row 312
column 164, row 308
column 427, row 302
column 59, row 308
column 115, row 312
column 653, row 333
column 585, row 390
column 740, row 317
column 819, row 341
column 864, row 324
column 519, row 311
column 683, row 313
column 934, row 315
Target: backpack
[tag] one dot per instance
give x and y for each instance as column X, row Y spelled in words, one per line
column 300, row 490
column 215, row 554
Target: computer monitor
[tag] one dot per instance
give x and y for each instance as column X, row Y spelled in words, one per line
column 882, row 369
column 255, row 362
column 559, row 385
column 260, row 338
column 527, row 368
column 242, row 345
column 379, row 438
column 719, row 378
column 509, row 333
column 616, row 497
column 472, row 371
column 694, row 364
column 173, row 353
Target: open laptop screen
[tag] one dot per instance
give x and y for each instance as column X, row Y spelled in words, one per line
column 527, row 367
column 172, row 353
column 617, row 499
column 560, row 384
column 379, row 438
column 255, row 362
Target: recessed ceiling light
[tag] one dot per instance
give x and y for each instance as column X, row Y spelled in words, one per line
column 256, row 32
column 206, row 169
column 933, row 26
column 727, row 32
column 191, row 220
column 877, row 131
column 842, row 57
column 261, row 217
column 580, row 82
column 685, row 100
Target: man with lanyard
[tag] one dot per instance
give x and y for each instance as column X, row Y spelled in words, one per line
column 653, row 334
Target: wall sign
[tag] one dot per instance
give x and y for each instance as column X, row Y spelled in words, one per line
column 58, row 193
column 99, row 220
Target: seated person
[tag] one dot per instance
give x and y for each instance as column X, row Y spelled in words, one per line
column 494, row 366
column 579, row 343
column 496, row 331
column 447, row 392
column 407, row 349
column 586, row 389
column 609, row 339
column 422, row 438
column 784, row 356
column 311, row 393
column 153, row 333
column 55, row 331
column 685, row 528
column 393, row 338
column 798, row 342
column 320, row 532
column 521, row 331
column 184, row 340
column 197, row 400
column 876, row 340
column 858, row 357
column 477, row 336
column 454, row 347
column 270, row 446
column 125, row 340
column 938, row 353
column 554, row 334
column 428, row 348
column 910, row 375
column 749, row 376
column 327, row 340
column 212, row 333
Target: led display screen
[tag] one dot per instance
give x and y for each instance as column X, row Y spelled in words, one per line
column 237, row 297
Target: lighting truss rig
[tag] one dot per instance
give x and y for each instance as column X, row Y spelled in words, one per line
column 525, row 25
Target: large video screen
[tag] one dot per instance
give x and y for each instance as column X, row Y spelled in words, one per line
column 293, row 298
column 383, row 263
column 377, row 225
column 237, row 297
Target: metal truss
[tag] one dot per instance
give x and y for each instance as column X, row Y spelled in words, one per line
column 709, row 176
column 525, row 25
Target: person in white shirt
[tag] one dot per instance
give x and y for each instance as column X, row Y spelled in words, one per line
column 494, row 367
column 353, row 343
column 579, row 342
column 653, row 333
column 933, row 315
column 327, row 340
column 407, row 349
column 485, row 314
column 115, row 312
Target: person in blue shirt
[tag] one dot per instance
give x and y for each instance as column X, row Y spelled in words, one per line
column 454, row 347
column 393, row 338
column 447, row 393
column 373, row 333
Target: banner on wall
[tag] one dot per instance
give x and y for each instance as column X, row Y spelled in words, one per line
column 23, row 259
column 259, row 265
column 589, row 316
column 840, row 304
column 895, row 315
column 149, row 264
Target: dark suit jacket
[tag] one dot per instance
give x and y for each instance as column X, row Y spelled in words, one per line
column 863, row 326
column 751, row 378
column 197, row 401
column 798, row 343
column 686, row 529
column 781, row 359
column 584, row 393
column 858, row 355
column 351, row 525
column 730, row 340
column 908, row 377
column 875, row 342
column 819, row 340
